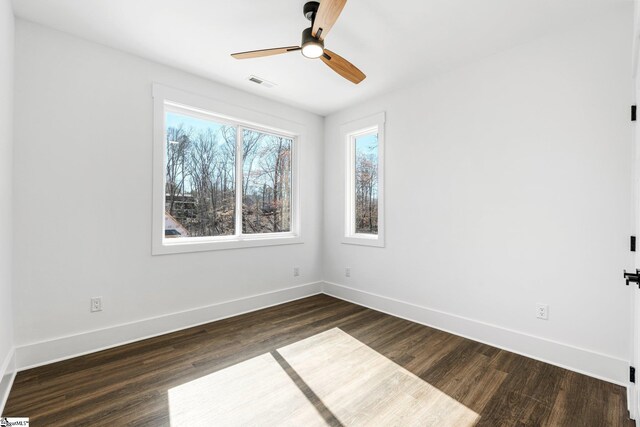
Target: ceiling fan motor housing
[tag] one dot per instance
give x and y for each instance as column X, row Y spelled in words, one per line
column 310, row 9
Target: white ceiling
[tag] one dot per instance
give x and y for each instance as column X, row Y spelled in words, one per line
column 393, row 42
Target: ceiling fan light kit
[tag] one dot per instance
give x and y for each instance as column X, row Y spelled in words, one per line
column 322, row 16
column 311, row 47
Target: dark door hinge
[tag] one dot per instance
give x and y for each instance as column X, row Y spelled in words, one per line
column 632, row 374
column 632, row 244
column 632, row 277
column 633, row 113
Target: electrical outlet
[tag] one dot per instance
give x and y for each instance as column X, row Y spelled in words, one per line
column 347, row 272
column 296, row 271
column 542, row 311
column 96, row 304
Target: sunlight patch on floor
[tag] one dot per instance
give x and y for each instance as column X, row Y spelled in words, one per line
column 329, row 373
column 255, row 392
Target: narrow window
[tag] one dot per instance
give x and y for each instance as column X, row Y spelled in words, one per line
column 364, row 201
column 366, row 183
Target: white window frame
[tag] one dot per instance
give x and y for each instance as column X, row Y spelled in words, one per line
column 349, row 132
column 170, row 99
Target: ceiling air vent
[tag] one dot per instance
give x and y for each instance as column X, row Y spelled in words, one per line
column 261, row 82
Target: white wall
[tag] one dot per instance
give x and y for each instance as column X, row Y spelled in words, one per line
column 508, row 183
column 6, row 173
column 83, row 163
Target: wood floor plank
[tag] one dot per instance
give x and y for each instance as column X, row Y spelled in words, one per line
column 130, row 384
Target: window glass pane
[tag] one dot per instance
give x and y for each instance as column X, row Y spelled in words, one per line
column 366, row 183
column 266, row 169
column 199, row 177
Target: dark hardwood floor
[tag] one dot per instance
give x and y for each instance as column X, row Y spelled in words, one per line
column 128, row 385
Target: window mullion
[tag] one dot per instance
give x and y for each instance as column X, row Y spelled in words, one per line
column 239, row 179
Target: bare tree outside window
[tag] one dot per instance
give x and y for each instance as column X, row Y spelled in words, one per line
column 224, row 177
column 266, row 201
column 366, row 184
column 200, row 177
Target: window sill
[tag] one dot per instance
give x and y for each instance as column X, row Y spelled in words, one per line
column 173, row 246
column 364, row 240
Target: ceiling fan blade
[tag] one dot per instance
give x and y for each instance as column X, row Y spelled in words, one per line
column 264, row 52
column 343, row 67
column 326, row 16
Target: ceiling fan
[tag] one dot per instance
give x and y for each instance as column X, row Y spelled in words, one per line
column 322, row 16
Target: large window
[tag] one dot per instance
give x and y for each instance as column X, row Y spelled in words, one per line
column 225, row 183
column 364, row 202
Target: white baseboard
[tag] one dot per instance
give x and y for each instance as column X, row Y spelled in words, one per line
column 54, row 350
column 7, row 375
column 577, row 359
column 588, row 362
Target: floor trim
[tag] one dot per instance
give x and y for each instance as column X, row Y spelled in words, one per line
column 7, row 375
column 594, row 364
column 57, row 349
column 588, row 362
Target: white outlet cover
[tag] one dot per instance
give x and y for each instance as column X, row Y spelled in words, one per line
column 96, row 304
column 542, row 311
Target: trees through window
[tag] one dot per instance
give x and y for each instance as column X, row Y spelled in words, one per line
column 366, row 183
column 266, row 183
column 364, row 192
column 224, row 179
